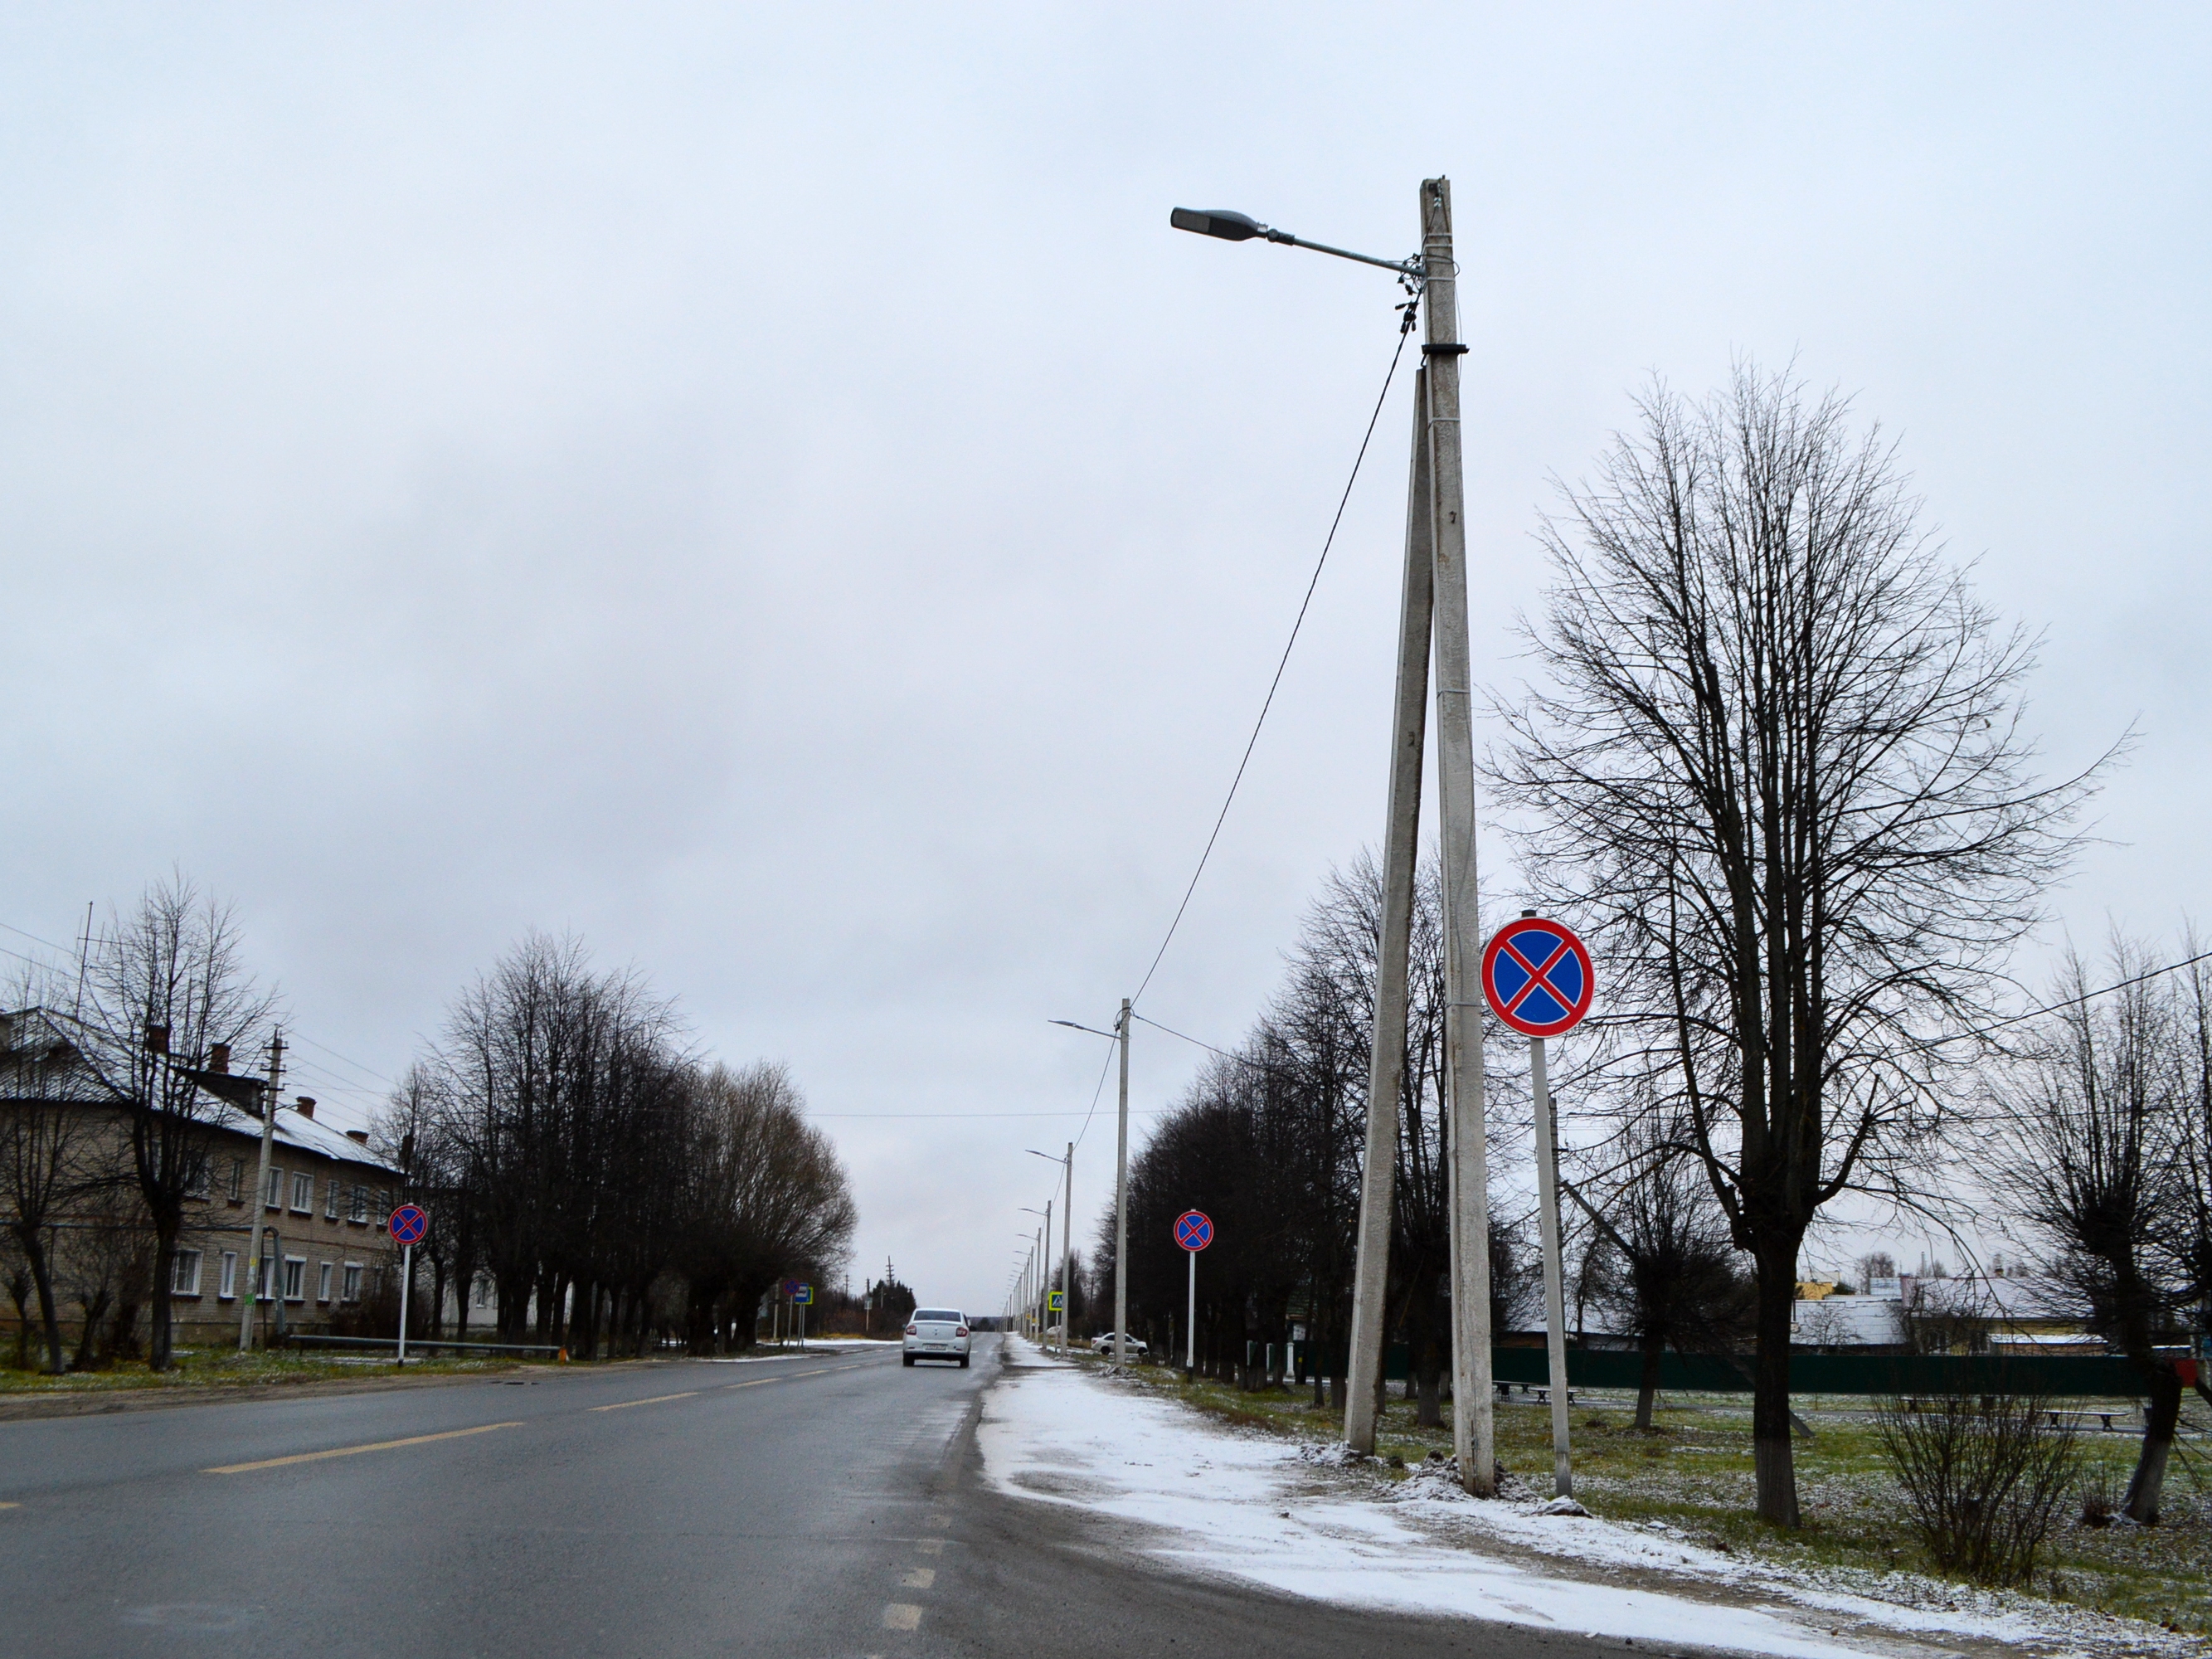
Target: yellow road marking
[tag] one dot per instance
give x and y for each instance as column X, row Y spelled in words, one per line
column 351, row 1451
column 902, row 1615
column 918, row 1579
column 624, row 1405
column 10, row 1506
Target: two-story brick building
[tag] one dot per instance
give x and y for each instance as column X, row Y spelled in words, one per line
column 326, row 1199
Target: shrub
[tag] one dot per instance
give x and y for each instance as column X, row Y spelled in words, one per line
column 1983, row 1477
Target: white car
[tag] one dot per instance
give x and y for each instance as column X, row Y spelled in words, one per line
column 1105, row 1344
column 937, row 1333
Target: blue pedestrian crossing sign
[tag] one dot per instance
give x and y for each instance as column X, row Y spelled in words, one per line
column 1056, row 1300
column 1537, row 977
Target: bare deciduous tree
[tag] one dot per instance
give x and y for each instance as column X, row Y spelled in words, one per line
column 2093, row 1159
column 166, row 987
column 47, row 1149
column 1776, row 771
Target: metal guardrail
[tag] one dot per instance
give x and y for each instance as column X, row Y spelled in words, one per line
column 413, row 1342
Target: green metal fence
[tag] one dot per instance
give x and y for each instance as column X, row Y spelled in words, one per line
column 1913, row 1373
column 2059, row 1376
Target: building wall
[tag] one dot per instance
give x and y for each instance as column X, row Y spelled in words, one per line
column 333, row 1259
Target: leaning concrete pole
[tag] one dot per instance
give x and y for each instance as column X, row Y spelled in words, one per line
column 249, row 1292
column 1473, row 1438
column 1121, row 1202
column 1386, row 1067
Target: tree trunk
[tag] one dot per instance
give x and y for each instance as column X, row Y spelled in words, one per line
column 160, row 1341
column 88, row 1339
column 1772, row 1456
column 42, row 1276
column 1647, row 1385
column 1429, row 1405
column 2161, row 1414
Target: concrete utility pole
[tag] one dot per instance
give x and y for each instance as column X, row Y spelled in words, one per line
column 260, row 1197
column 1473, row 1436
column 1121, row 1202
column 1067, row 1254
column 1386, row 1068
column 1555, row 1299
column 1044, row 1279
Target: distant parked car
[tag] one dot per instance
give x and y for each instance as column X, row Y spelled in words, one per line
column 1105, row 1344
column 936, row 1334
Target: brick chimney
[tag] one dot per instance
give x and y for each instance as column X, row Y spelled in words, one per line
column 304, row 1105
column 360, row 1136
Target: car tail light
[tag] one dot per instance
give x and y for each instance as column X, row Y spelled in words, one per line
column 959, row 1330
column 914, row 1330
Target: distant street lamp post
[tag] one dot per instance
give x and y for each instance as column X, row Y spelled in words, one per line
column 1120, row 1034
column 1067, row 1239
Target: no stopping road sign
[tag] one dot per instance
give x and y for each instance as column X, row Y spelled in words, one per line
column 1194, row 1230
column 1537, row 976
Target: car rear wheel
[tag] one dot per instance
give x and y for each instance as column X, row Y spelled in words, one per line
column 910, row 1360
column 963, row 1362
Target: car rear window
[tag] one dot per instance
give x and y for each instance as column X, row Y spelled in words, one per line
column 945, row 1315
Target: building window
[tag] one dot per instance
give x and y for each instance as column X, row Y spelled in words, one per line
column 262, row 1279
column 274, row 1196
column 184, row 1274
column 296, row 1278
column 359, row 1211
column 483, row 1292
column 237, row 1180
column 330, row 1201
column 352, row 1291
column 303, row 1194
column 383, row 1202
column 323, row 1283
column 201, row 1182
column 229, row 1291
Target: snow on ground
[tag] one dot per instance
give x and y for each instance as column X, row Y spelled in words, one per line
column 1274, row 1512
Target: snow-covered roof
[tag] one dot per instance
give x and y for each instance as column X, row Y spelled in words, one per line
column 304, row 1132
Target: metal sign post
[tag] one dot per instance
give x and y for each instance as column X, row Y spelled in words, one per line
column 1537, row 977
column 802, row 1298
column 407, row 1224
column 1193, row 1232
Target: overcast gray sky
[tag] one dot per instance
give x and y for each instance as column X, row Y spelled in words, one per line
column 766, row 490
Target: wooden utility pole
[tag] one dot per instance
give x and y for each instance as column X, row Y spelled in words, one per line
column 1386, row 1067
column 1468, row 1162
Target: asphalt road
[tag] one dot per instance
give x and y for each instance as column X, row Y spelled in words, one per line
column 823, row 1506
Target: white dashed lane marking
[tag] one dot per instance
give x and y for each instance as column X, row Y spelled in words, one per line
column 902, row 1615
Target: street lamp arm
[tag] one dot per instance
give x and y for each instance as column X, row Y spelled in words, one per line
column 1109, row 1036
column 1242, row 227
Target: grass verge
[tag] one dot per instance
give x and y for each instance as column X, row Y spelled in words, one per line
column 1693, row 1473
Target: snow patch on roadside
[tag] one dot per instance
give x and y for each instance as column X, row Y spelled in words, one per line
column 1301, row 1520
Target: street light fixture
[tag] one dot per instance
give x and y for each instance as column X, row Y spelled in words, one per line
column 1242, row 227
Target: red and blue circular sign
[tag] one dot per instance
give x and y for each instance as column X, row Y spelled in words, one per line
column 1537, row 976
column 408, row 1224
column 1194, row 1230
